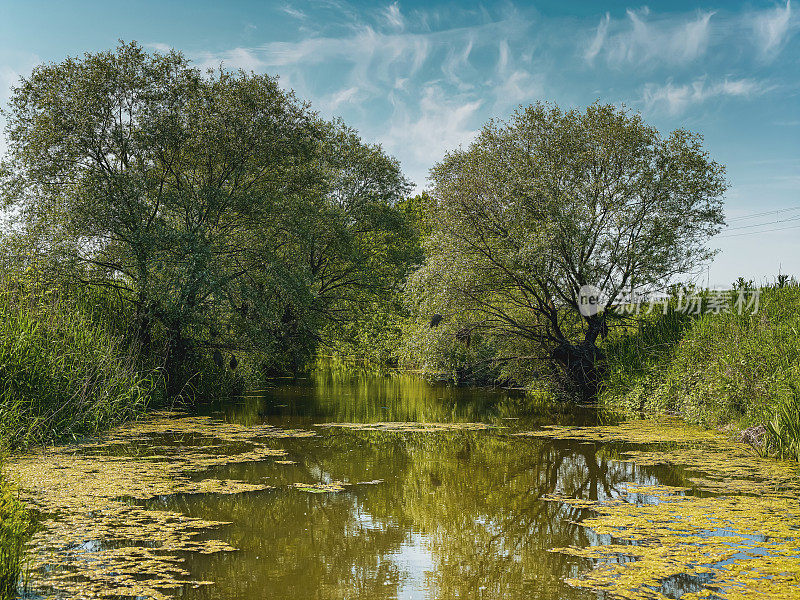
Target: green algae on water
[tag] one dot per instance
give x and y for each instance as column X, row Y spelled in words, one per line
column 740, row 547
column 739, row 539
column 96, row 539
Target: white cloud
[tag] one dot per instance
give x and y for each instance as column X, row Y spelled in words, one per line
column 771, row 28
column 640, row 39
column 394, row 17
column 425, row 132
column 599, row 39
column 457, row 59
column 674, row 99
column 237, row 58
column 345, row 96
column 517, row 87
column 293, row 12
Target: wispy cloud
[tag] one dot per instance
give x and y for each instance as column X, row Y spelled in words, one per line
column 640, row 39
column 430, row 85
column 294, row 12
column 394, row 17
column 771, row 28
column 599, row 39
column 158, row 46
column 675, row 99
column 439, row 123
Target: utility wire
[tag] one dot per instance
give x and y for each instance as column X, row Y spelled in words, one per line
column 756, row 232
column 768, row 212
column 763, row 224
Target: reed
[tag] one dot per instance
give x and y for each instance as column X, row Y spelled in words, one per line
column 62, row 372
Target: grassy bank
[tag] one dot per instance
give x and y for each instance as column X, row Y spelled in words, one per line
column 716, row 369
column 64, row 370
column 15, row 530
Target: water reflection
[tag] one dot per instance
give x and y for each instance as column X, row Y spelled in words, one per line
column 329, row 394
column 456, row 515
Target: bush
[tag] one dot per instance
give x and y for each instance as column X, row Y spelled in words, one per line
column 62, row 373
column 715, row 369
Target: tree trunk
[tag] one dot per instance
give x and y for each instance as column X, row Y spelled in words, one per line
column 582, row 363
column 177, row 352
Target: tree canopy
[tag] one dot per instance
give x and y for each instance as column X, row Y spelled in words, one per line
column 553, row 200
column 222, row 209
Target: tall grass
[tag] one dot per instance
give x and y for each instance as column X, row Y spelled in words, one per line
column 15, row 530
column 62, row 373
column 783, row 429
column 715, row 368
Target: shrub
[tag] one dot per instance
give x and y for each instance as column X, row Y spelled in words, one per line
column 61, row 373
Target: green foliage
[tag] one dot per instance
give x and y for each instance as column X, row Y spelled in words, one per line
column 16, row 528
column 375, row 330
column 62, row 373
column 715, row 368
column 553, row 200
column 783, row 429
column 226, row 215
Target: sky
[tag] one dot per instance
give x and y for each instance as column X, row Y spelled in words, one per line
column 421, row 78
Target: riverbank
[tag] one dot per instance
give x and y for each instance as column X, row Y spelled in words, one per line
column 16, row 528
column 66, row 369
column 717, row 370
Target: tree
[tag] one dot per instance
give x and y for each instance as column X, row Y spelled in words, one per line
column 344, row 248
column 226, row 213
column 554, row 200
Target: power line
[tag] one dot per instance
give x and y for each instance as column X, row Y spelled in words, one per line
column 762, row 224
column 768, row 212
column 756, row 232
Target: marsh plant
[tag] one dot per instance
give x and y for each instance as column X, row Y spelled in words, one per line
column 62, row 374
column 15, row 530
column 783, row 429
column 715, row 369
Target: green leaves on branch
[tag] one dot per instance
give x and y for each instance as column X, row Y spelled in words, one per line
column 550, row 201
column 221, row 208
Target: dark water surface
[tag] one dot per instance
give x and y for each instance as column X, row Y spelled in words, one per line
column 453, row 514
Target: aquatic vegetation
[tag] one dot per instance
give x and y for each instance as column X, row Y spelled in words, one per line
column 742, row 541
column 320, row 488
column 667, row 429
column 16, row 527
column 333, row 486
column 144, row 510
column 783, row 428
column 409, row 427
column 738, row 547
column 722, row 464
column 97, row 539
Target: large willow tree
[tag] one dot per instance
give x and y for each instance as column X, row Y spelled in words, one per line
column 548, row 202
column 225, row 213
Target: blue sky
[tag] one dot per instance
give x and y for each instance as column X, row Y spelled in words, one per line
column 422, row 77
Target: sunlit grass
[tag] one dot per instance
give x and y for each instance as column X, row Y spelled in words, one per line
column 62, row 374
column 715, row 368
column 15, row 530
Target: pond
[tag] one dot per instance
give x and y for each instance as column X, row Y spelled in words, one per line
column 342, row 486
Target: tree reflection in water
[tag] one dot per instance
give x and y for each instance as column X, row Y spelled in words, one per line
column 457, row 515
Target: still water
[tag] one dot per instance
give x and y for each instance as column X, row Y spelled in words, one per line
column 452, row 514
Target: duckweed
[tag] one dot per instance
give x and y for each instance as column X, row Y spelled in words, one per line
column 97, row 540
column 739, row 542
